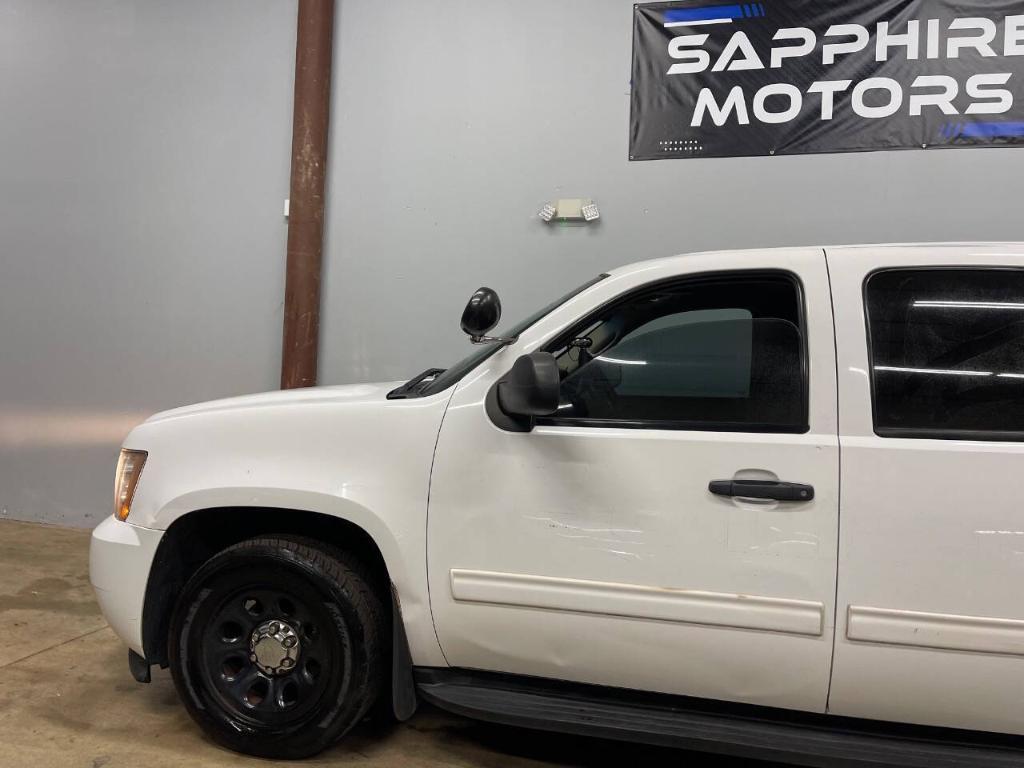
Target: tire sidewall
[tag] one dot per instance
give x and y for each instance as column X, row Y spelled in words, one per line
column 345, row 700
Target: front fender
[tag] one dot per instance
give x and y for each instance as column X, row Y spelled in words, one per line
column 285, row 499
column 367, row 463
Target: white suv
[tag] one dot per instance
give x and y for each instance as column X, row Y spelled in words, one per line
column 764, row 502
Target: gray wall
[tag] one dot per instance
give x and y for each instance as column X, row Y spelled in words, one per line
column 455, row 119
column 144, row 160
column 143, row 169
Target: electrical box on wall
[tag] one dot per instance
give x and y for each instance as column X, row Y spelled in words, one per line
column 570, row 209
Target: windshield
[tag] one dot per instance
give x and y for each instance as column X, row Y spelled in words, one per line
column 468, row 363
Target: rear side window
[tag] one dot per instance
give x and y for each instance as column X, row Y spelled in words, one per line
column 947, row 353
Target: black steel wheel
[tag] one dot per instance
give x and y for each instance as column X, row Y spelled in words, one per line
column 275, row 646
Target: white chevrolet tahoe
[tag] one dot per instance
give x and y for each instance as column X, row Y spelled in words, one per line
column 767, row 503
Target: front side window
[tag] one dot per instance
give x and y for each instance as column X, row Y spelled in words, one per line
column 947, row 352
column 707, row 354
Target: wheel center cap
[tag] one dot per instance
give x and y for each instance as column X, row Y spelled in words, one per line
column 274, row 647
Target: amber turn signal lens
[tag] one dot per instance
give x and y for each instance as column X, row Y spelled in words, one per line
column 129, row 467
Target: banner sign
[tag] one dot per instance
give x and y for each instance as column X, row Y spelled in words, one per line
column 714, row 79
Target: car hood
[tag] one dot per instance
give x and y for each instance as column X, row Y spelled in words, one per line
column 343, row 394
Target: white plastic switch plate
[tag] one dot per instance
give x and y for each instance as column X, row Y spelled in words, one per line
column 570, row 209
column 286, row 202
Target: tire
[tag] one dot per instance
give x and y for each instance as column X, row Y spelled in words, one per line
column 276, row 646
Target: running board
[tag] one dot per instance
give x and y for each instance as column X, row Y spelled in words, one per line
column 740, row 730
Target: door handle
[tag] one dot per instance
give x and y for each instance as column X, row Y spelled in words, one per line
column 762, row 489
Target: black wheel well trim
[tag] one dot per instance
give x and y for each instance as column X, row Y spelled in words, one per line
column 196, row 536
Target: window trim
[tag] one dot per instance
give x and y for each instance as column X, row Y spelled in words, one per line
column 802, row 428
column 927, row 433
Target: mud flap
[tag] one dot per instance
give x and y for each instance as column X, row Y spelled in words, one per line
column 139, row 667
column 403, row 687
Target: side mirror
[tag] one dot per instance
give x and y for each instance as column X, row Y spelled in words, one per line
column 529, row 389
column 482, row 313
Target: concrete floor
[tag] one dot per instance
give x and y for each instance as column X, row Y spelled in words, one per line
column 66, row 698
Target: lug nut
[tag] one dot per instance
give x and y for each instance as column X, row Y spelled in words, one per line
column 287, row 662
column 289, row 641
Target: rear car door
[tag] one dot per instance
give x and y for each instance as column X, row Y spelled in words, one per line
column 930, row 344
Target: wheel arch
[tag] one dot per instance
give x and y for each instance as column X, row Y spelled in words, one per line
column 193, row 538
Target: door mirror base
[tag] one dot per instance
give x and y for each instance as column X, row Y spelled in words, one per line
column 529, row 389
column 502, row 420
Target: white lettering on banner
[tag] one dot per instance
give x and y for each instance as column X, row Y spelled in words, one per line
column 796, row 100
column 976, row 90
column 872, row 98
column 734, row 102
column 981, row 43
column 797, row 33
column 828, row 90
column 859, row 43
column 934, row 38
column 890, row 94
column 944, row 100
column 887, row 84
column 1013, row 41
column 692, row 57
column 738, row 43
column 886, row 40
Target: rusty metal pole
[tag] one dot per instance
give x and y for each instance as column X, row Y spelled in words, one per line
column 306, row 207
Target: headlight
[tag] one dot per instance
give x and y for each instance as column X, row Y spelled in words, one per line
column 129, row 467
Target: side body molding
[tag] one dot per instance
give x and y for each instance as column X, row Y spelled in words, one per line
column 979, row 634
column 771, row 614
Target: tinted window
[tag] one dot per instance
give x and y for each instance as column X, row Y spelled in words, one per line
column 714, row 354
column 947, row 348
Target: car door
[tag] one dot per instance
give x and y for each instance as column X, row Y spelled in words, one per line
column 931, row 349
column 592, row 549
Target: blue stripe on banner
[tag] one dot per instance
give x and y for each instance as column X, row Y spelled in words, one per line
column 704, row 14
column 992, row 130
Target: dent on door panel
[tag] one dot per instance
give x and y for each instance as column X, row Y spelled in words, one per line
column 597, row 554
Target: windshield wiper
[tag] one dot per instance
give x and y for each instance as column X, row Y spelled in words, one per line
column 411, row 387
